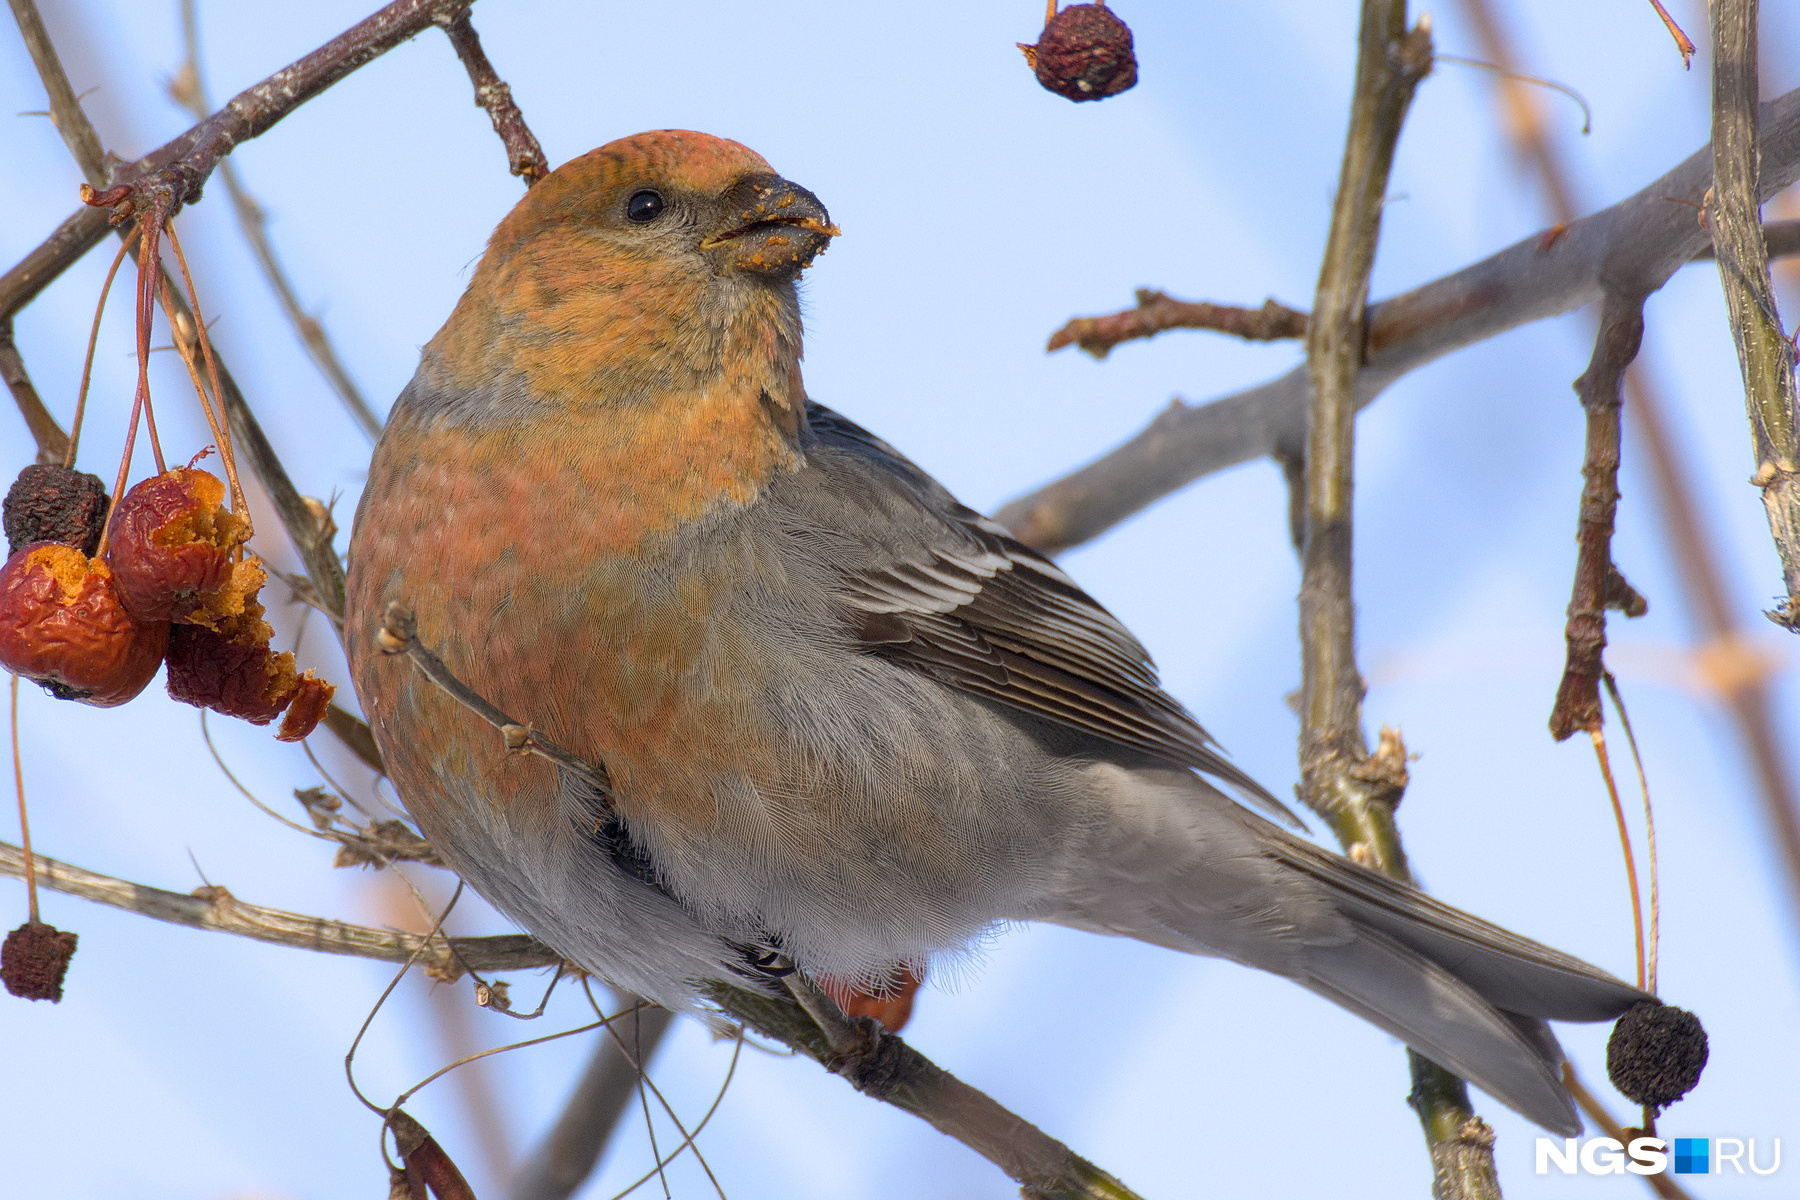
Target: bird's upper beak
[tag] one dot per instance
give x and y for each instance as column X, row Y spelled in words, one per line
column 773, row 228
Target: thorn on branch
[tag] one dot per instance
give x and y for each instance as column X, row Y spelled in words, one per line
column 1157, row 311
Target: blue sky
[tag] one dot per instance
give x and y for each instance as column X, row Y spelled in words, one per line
column 979, row 213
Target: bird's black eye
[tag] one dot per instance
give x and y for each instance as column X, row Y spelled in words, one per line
column 644, row 206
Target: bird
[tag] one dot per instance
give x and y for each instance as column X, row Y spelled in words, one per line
column 830, row 717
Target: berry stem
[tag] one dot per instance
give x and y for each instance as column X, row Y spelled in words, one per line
column 148, row 260
column 87, row 364
column 221, row 423
column 1612, row 791
column 31, row 896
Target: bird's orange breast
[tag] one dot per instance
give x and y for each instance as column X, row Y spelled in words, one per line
column 545, row 563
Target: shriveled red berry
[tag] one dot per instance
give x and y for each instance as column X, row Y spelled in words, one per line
column 1085, row 53
column 231, row 670
column 49, row 502
column 174, row 550
column 307, row 709
column 34, row 959
column 62, row 625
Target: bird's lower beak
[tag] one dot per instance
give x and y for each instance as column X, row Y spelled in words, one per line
column 775, row 229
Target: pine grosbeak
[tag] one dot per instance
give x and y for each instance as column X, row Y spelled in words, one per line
column 845, row 718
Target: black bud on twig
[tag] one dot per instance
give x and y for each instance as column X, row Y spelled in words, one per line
column 34, row 959
column 53, row 503
column 1085, row 53
column 1656, row 1054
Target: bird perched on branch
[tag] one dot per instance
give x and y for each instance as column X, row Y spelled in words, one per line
column 844, row 721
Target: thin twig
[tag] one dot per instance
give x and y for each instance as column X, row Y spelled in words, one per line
column 563, row 1161
column 1644, row 238
column 189, row 90
column 1354, row 791
column 399, row 635
column 1637, row 759
column 1157, row 311
column 52, row 442
column 217, row 909
column 1598, row 584
column 65, row 105
column 524, row 157
column 1683, row 42
column 1765, row 355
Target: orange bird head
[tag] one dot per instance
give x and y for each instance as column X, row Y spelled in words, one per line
column 648, row 265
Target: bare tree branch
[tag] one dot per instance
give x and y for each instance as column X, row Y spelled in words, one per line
column 1598, row 584
column 1764, row 352
column 1638, row 242
column 182, row 165
column 189, row 90
column 524, row 157
column 52, row 442
column 1745, row 694
column 217, row 909
column 1356, row 792
column 1044, row 1167
column 1157, row 311
column 65, row 106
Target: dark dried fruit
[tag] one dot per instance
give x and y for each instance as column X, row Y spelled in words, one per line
column 54, row 503
column 62, row 625
column 1085, row 53
column 306, row 709
column 174, row 551
column 232, row 670
column 1656, row 1053
column 33, row 960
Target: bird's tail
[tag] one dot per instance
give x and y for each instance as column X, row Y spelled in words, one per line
column 1466, row 994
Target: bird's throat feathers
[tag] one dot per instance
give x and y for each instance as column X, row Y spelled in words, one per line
column 623, row 356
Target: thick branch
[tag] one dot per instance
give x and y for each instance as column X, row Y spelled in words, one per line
column 1355, row 792
column 1044, row 1168
column 1157, row 311
column 1598, row 583
column 1765, row 355
column 524, row 156
column 1638, row 242
column 217, row 909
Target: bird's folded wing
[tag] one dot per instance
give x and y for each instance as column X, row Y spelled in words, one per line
column 935, row 586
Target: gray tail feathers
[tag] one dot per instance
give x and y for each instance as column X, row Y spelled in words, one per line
column 1468, row 995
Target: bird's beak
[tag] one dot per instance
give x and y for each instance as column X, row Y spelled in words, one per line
column 773, row 229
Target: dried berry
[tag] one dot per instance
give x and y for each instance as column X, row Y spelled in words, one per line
column 231, row 670
column 174, row 551
column 1656, row 1053
column 1085, row 53
column 307, row 708
column 891, row 1002
column 33, row 960
column 54, row 503
column 62, row 625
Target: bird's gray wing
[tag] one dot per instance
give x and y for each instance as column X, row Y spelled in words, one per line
column 935, row 586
